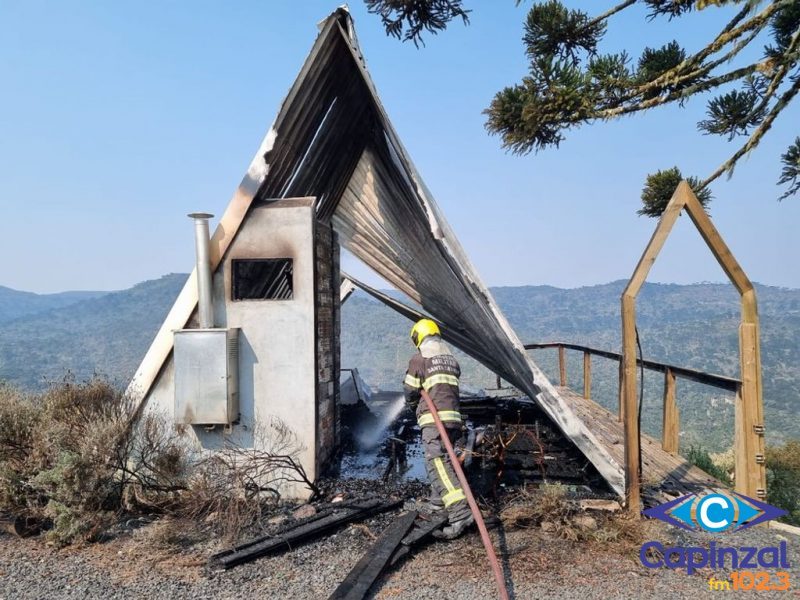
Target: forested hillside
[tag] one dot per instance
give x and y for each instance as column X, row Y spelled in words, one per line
column 107, row 335
column 688, row 325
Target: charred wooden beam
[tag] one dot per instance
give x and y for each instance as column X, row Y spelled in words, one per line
column 288, row 538
column 357, row 583
column 423, row 529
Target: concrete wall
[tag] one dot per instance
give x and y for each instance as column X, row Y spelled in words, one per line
column 288, row 349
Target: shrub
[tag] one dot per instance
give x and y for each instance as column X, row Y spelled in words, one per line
column 234, row 487
column 783, row 479
column 74, row 458
column 700, row 458
column 60, row 456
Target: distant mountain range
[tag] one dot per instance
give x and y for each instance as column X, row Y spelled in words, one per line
column 105, row 333
column 45, row 337
column 14, row 304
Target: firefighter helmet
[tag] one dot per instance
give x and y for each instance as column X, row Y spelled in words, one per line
column 422, row 329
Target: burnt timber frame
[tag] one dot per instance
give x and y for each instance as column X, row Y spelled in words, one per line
column 750, row 469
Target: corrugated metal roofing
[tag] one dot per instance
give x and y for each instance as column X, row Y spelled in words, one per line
column 333, row 140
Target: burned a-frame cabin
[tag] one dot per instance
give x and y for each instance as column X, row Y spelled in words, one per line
column 331, row 171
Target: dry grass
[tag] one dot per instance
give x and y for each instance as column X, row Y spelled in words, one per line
column 172, row 534
column 550, row 509
column 75, row 460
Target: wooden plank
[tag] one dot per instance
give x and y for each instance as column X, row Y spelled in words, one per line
column 750, row 311
column 361, row 577
column 632, row 475
column 672, row 472
column 288, row 539
column 750, row 442
column 621, row 385
column 739, row 445
column 587, row 375
column 720, row 381
column 606, row 429
column 562, row 365
column 656, row 243
column 671, row 421
column 421, row 531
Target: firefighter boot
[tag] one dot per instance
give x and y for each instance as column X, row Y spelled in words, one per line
column 457, row 524
column 432, row 504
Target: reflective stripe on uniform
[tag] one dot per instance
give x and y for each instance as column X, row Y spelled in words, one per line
column 439, row 464
column 440, row 378
column 412, row 381
column 446, row 416
column 453, row 494
column 453, row 497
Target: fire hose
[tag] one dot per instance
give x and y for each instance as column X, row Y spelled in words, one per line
column 487, row 542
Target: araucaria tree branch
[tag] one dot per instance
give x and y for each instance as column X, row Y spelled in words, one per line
column 571, row 82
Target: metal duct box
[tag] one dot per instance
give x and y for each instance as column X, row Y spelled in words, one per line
column 206, row 376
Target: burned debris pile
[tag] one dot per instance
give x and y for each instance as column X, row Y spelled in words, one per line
column 515, row 444
column 509, row 450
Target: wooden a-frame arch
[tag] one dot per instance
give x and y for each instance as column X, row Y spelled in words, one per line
column 750, row 472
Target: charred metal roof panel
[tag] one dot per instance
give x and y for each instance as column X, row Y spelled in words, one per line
column 333, row 140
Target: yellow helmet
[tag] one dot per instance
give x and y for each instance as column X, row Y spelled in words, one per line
column 422, row 329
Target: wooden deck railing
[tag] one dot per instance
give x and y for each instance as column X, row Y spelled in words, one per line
column 670, row 413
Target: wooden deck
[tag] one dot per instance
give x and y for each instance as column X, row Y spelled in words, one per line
column 664, row 475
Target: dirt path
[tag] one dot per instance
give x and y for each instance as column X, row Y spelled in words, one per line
column 541, row 565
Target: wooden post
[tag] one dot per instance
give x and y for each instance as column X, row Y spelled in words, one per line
column 671, row 417
column 562, row 365
column 749, row 434
column 631, row 422
column 739, row 445
column 587, row 375
column 621, row 384
column 749, row 437
column 751, row 474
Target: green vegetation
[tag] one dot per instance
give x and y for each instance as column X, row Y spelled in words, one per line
column 659, row 187
column 688, row 325
column 66, row 456
column 15, row 305
column 783, row 474
column 699, row 456
column 783, row 479
column 73, row 462
column 105, row 334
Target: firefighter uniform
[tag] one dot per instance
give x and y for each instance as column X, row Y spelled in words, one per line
column 435, row 369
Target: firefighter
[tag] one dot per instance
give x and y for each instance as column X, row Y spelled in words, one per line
column 435, row 369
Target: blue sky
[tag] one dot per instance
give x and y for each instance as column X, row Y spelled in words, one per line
column 118, row 118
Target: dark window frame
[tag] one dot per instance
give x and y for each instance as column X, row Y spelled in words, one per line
column 274, row 281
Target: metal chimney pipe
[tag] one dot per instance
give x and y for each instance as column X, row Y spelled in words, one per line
column 201, row 246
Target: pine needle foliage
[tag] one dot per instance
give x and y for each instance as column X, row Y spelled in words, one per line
column 571, row 82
